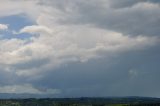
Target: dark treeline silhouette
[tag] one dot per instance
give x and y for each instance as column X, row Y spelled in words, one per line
column 112, row 101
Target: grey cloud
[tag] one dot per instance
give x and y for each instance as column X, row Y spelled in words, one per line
column 134, row 71
column 8, row 77
column 108, row 78
column 31, row 64
column 128, row 3
column 129, row 21
column 133, row 20
column 154, row 1
column 124, row 3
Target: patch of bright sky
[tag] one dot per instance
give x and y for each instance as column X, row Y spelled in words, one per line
column 15, row 23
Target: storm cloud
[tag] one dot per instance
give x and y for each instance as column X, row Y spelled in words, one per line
column 77, row 48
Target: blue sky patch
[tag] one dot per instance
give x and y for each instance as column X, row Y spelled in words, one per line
column 15, row 23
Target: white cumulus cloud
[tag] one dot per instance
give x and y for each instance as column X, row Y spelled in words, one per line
column 3, row 27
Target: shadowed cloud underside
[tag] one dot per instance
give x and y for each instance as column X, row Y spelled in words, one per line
column 74, row 48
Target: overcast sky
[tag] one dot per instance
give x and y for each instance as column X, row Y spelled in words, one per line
column 75, row 48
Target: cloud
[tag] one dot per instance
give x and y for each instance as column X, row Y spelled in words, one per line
column 124, row 3
column 36, row 29
column 18, row 7
column 128, row 21
column 26, row 88
column 64, row 47
column 3, row 27
column 104, row 34
column 109, row 77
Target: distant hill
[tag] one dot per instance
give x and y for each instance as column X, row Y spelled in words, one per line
column 84, row 100
column 23, row 96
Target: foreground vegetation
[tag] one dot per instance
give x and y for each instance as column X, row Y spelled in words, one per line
column 82, row 102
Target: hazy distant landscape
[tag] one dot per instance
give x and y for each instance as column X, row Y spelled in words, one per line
column 110, row 101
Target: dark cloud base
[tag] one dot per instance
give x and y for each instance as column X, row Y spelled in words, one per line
column 103, row 78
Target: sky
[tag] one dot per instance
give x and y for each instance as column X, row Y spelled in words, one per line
column 80, row 48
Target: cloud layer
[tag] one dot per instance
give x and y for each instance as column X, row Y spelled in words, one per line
column 69, row 35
